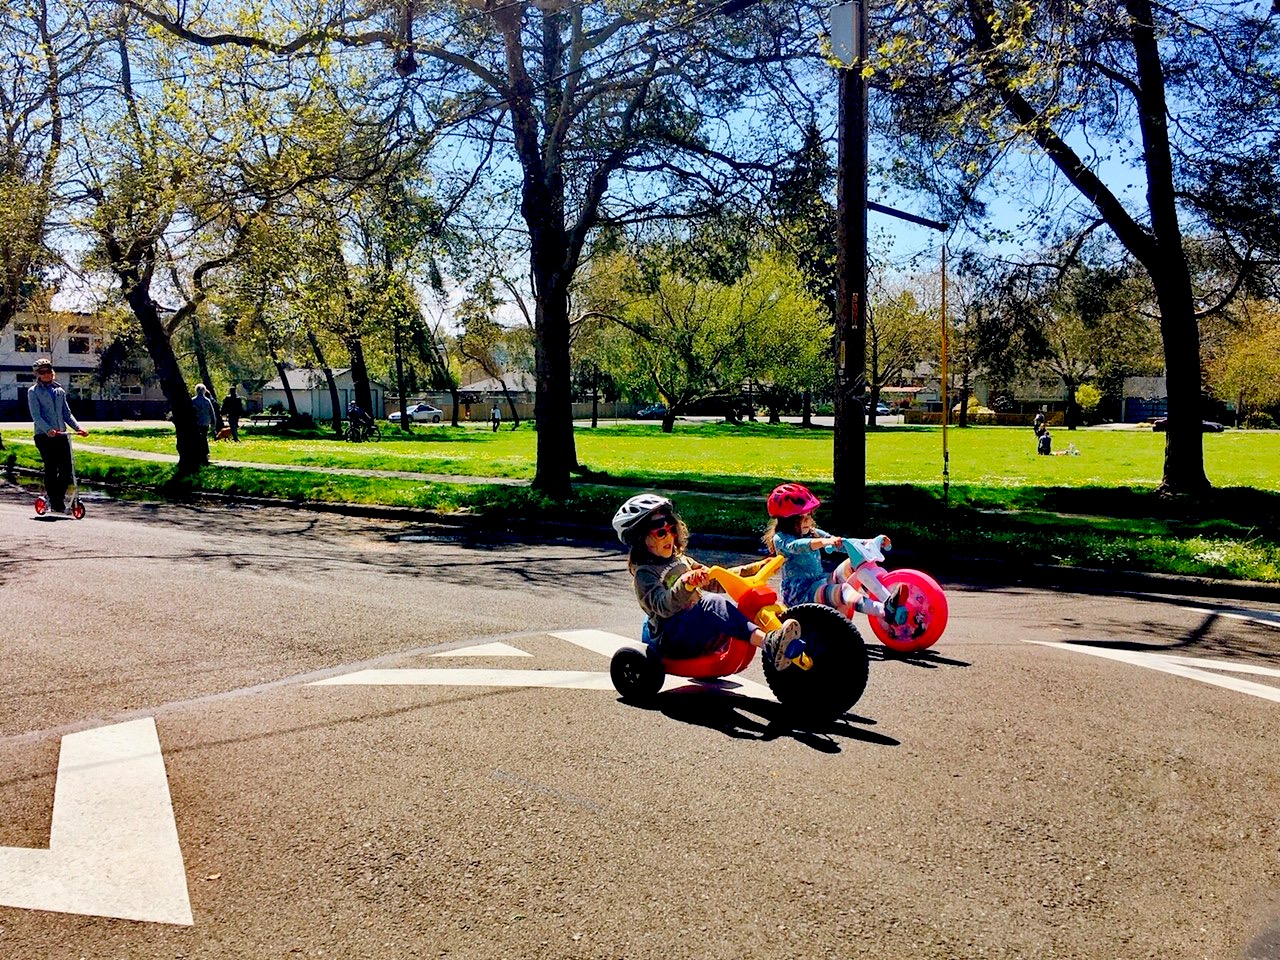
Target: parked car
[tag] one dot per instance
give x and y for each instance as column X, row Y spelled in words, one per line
column 655, row 412
column 1206, row 426
column 420, row 412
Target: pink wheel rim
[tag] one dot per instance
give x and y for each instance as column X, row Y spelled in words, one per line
column 926, row 613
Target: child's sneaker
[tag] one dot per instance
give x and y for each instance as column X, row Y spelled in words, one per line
column 777, row 641
column 895, row 605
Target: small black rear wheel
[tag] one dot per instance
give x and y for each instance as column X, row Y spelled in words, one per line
column 838, row 677
column 636, row 675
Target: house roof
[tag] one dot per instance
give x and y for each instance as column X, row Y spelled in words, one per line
column 517, row 381
column 310, row 378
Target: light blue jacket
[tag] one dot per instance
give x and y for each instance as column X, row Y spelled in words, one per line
column 49, row 410
column 802, row 573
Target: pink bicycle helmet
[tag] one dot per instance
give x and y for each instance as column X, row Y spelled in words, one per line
column 791, row 500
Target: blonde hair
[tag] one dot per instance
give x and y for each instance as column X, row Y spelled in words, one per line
column 789, row 525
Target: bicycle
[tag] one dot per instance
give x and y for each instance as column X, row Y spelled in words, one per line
column 828, row 674
column 357, row 431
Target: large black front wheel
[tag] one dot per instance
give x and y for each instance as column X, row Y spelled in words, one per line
column 838, row 677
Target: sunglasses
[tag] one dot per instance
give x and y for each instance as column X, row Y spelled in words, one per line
column 662, row 528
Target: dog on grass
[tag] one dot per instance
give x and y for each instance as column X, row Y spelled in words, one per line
column 223, row 434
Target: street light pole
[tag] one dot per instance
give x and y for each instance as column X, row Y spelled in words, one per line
column 849, row 462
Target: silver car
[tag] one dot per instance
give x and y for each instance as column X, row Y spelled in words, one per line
column 420, row 412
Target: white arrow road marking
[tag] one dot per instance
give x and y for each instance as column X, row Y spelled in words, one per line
column 485, row 650
column 113, row 843
column 568, row 679
column 1261, row 617
column 1188, row 667
column 597, row 641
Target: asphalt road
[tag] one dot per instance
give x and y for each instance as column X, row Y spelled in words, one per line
column 996, row 798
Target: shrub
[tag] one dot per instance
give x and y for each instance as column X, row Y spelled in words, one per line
column 1258, row 421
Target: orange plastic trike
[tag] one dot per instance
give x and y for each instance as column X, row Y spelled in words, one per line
column 823, row 682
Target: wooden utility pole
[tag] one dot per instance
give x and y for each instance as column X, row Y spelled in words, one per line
column 849, row 461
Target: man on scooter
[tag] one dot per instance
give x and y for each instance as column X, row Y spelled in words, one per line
column 51, row 417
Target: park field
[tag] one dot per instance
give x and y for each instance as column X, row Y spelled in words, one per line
column 720, row 455
column 1002, row 501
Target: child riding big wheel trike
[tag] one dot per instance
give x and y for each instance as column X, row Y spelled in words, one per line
column 828, row 671
column 923, row 614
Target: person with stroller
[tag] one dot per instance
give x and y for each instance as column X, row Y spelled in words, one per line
column 51, row 417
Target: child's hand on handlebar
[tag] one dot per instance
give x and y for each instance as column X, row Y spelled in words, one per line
column 693, row 579
column 831, row 543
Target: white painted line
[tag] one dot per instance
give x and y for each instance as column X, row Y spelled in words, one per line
column 566, row 679
column 607, row 644
column 485, row 650
column 1265, row 619
column 1231, row 666
column 562, row 679
column 736, row 684
column 1178, row 666
column 598, row 641
column 113, row 843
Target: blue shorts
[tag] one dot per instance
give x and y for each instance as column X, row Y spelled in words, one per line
column 702, row 627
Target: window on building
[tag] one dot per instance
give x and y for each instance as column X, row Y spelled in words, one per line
column 82, row 339
column 30, row 336
column 81, row 386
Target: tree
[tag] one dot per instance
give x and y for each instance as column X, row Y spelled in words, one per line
column 694, row 340
column 1246, row 370
column 1180, row 95
column 597, row 104
column 900, row 333
column 47, row 50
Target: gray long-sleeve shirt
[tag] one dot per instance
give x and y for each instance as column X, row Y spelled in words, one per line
column 49, row 409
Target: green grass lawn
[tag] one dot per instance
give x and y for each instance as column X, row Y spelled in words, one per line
column 755, row 454
column 1004, row 501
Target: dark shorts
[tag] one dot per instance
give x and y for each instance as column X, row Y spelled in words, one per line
column 703, row 627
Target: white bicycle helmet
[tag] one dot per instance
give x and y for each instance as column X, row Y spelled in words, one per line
column 632, row 515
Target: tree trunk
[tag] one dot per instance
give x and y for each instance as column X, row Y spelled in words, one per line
column 360, row 374
column 806, row 414
column 511, row 404
column 202, row 359
column 288, row 388
column 553, row 406
column 192, row 439
column 1170, row 274
column 335, row 402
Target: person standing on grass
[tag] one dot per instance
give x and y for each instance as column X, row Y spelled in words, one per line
column 51, row 416
column 495, row 417
column 206, row 413
column 233, row 410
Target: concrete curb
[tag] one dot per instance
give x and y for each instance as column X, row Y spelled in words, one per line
column 973, row 570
